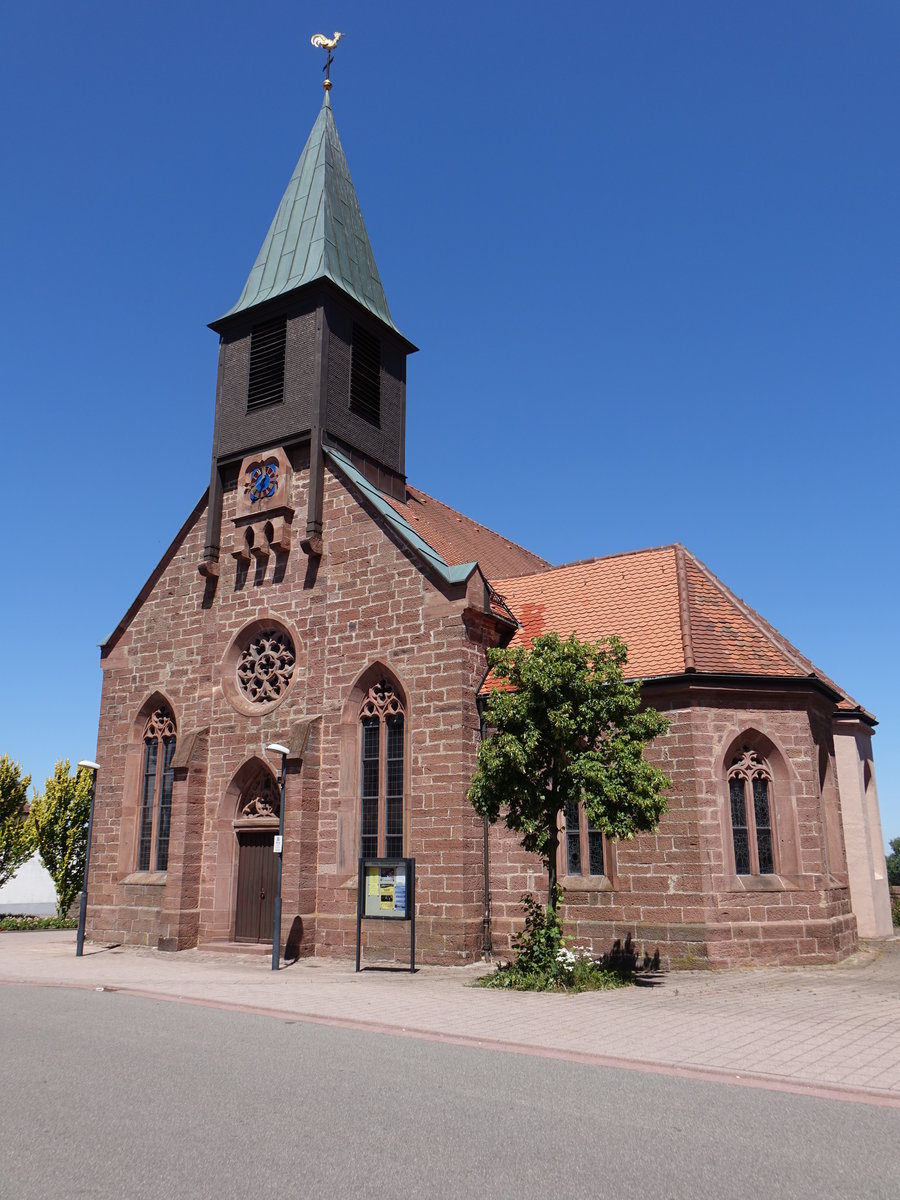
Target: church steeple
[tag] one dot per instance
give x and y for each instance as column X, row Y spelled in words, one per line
column 309, row 357
column 318, row 231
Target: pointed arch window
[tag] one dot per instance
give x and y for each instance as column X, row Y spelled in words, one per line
column 157, row 778
column 750, row 797
column 382, row 729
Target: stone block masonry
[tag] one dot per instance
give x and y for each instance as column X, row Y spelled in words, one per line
column 365, row 609
column 675, row 894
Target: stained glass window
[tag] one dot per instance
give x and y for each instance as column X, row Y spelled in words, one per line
column 371, row 736
column 165, row 805
column 573, row 840
column 393, row 835
column 739, row 826
column 584, row 842
column 749, row 787
column 151, row 749
column 595, row 851
column 382, row 773
column 156, row 790
column 763, row 820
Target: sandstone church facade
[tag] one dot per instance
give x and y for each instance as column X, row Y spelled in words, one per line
column 315, row 599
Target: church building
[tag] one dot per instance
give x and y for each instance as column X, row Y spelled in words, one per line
column 316, row 600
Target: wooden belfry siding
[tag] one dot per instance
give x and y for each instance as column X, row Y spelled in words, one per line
column 235, row 428
column 365, row 375
column 266, row 376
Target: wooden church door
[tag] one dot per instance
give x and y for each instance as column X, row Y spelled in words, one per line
column 255, row 913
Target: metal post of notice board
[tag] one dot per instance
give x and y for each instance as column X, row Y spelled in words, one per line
column 386, row 891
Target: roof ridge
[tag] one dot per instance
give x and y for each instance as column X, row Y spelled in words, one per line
column 684, row 608
column 477, row 524
column 781, row 643
column 602, row 558
column 776, row 636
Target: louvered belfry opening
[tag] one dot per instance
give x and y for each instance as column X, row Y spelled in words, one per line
column 267, row 345
column 365, row 376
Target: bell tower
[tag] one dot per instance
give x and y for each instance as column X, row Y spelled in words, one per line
column 308, row 356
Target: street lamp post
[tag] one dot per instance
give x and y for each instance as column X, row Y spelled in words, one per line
column 82, row 909
column 277, row 748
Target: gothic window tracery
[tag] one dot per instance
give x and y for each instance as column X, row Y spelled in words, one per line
column 266, row 666
column 750, row 802
column 382, row 729
column 157, row 778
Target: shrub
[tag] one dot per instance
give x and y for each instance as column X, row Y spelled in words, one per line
column 544, row 963
column 16, row 841
column 893, row 863
column 59, row 819
column 21, row 923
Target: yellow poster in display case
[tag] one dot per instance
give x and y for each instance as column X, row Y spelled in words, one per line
column 385, row 890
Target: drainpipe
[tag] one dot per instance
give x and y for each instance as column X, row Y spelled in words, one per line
column 480, row 704
column 486, row 944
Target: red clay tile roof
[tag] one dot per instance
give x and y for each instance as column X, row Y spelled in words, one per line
column 724, row 635
column 803, row 665
column 634, row 596
column 664, row 603
column 459, row 539
column 669, row 609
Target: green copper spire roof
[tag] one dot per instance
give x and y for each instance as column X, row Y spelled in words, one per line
column 318, row 231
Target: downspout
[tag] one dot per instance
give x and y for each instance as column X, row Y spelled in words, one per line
column 487, row 946
column 486, row 943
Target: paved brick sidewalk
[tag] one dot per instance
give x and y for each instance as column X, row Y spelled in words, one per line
column 835, row 1029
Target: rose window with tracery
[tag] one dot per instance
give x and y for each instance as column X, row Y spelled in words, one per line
column 266, row 666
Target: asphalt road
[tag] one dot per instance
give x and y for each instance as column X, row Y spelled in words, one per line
column 106, row 1095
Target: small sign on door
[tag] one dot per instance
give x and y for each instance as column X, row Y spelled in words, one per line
column 277, row 845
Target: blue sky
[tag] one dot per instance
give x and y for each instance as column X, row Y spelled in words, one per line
column 649, row 253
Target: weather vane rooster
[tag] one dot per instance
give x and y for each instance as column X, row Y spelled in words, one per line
column 321, row 42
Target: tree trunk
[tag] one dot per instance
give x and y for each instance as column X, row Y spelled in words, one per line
column 552, row 856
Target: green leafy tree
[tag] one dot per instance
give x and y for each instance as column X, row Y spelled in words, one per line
column 893, row 863
column 16, row 844
column 567, row 727
column 59, row 819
